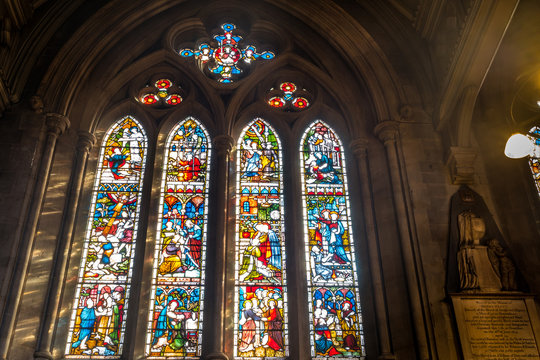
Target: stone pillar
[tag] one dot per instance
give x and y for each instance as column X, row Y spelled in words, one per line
column 387, row 132
column 359, row 149
column 63, row 246
column 223, row 145
column 56, row 125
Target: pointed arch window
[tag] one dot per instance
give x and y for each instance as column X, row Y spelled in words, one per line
column 333, row 292
column 534, row 158
column 176, row 304
column 260, row 322
column 101, row 300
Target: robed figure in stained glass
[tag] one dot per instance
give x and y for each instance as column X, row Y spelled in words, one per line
column 333, row 291
column 175, row 319
column 260, row 297
column 99, row 314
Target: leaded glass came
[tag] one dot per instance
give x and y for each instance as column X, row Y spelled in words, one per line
column 260, row 325
column 176, row 310
column 334, row 303
column 99, row 312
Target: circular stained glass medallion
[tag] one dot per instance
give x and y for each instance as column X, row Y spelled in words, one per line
column 163, row 84
column 174, row 99
column 149, row 99
column 300, row 103
column 276, row 102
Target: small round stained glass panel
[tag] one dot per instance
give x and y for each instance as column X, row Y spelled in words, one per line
column 163, row 84
column 276, row 102
column 173, row 99
column 149, row 99
column 288, row 87
column 300, row 103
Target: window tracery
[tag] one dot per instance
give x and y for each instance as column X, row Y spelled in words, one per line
column 163, row 93
column 225, row 59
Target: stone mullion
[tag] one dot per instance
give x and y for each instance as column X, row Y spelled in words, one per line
column 56, row 125
column 216, row 282
column 56, row 280
column 359, row 148
column 387, row 132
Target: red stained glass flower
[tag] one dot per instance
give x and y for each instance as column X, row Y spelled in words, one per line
column 163, row 84
column 174, row 99
column 300, row 103
column 288, row 87
column 276, row 102
column 149, row 99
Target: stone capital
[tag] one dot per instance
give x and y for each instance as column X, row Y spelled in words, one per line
column 86, row 141
column 387, row 131
column 359, row 147
column 460, row 163
column 223, row 144
column 56, row 123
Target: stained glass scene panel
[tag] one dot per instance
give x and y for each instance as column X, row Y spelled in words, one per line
column 99, row 312
column 534, row 159
column 334, row 306
column 176, row 306
column 260, row 330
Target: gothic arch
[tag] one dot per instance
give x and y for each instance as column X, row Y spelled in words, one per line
column 78, row 58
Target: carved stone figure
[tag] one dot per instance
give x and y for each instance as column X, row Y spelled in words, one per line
column 471, row 230
column 502, row 265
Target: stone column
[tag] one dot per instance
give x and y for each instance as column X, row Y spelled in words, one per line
column 222, row 145
column 63, row 246
column 359, row 149
column 387, row 132
column 56, row 125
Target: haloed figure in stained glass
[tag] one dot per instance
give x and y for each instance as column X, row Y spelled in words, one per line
column 260, row 321
column 175, row 319
column 323, row 157
column 98, row 320
column 336, row 327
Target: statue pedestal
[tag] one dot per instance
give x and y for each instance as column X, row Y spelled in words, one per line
column 497, row 326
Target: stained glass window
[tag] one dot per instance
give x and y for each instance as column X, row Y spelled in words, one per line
column 224, row 60
column 334, row 304
column 286, row 97
column 164, row 93
column 176, row 304
column 534, row 159
column 99, row 311
column 260, row 323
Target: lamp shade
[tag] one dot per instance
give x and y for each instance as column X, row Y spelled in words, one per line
column 518, row 146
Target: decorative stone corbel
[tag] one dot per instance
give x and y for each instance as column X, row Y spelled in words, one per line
column 460, row 164
column 36, row 103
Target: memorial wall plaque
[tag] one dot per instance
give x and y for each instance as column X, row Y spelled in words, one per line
column 497, row 326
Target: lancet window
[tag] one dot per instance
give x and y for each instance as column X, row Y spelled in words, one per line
column 176, row 305
column 333, row 293
column 98, row 318
column 260, row 322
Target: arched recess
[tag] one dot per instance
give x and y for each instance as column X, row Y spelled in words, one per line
column 77, row 73
column 79, row 56
column 349, row 98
